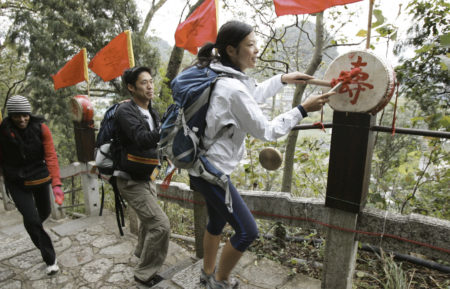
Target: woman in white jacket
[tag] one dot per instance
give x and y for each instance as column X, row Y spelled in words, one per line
column 233, row 113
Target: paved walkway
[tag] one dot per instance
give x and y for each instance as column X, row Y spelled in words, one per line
column 92, row 254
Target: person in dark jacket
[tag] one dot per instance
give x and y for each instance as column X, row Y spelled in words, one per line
column 29, row 164
column 138, row 133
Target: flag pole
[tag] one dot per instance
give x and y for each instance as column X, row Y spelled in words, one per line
column 369, row 25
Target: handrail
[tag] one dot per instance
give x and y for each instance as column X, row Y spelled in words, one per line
column 379, row 128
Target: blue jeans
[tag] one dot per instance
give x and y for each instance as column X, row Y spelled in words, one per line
column 241, row 220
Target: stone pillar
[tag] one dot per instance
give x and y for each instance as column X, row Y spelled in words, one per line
column 200, row 220
column 347, row 186
column 89, row 183
column 8, row 204
column 340, row 251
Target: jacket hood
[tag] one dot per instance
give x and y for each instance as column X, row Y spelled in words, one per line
column 219, row 67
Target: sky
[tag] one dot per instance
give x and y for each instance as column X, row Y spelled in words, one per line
column 167, row 18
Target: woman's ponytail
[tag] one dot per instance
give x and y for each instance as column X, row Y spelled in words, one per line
column 205, row 55
column 231, row 33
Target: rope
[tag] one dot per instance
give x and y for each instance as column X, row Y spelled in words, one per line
column 375, row 234
column 353, row 231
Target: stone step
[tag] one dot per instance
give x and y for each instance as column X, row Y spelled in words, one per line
column 252, row 273
column 92, row 254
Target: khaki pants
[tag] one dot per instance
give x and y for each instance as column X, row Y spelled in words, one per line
column 154, row 228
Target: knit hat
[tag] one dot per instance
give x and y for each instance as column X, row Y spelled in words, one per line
column 18, row 104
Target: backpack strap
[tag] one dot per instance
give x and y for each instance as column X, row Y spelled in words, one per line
column 210, row 173
column 119, row 205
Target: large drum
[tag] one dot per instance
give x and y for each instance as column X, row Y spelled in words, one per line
column 369, row 90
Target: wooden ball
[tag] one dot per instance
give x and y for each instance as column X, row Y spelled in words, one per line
column 270, row 158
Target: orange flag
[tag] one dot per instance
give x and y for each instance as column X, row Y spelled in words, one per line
column 114, row 58
column 200, row 27
column 73, row 72
column 294, row 7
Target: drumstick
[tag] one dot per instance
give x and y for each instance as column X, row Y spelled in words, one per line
column 316, row 81
column 336, row 87
column 324, row 83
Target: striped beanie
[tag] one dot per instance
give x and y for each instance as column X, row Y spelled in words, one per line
column 18, row 104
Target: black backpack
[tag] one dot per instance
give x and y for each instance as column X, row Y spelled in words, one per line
column 107, row 144
column 107, row 154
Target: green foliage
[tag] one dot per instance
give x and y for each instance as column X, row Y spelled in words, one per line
column 310, row 166
column 424, row 77
column 12, row 74
column 49, row 33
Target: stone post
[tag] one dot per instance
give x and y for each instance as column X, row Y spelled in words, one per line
column 200, row 220
column 347, row 186
column 89, row 183
column 340, row 251
column 8, row 204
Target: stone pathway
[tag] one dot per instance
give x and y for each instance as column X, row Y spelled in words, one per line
column 92, row 254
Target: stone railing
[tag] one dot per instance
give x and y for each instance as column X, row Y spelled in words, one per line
column 395, row 232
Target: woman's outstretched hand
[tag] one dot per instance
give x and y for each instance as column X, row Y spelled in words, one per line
column 295, row 78
column 316, row 102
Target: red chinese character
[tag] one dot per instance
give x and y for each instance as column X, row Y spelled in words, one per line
column 357, row 78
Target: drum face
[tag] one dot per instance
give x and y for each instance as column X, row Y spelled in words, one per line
column 370, row 90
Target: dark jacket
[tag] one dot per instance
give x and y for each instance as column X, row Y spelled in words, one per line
column 23, row 154
column 138, row 143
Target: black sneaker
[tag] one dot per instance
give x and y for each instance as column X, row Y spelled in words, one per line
column 150, row 282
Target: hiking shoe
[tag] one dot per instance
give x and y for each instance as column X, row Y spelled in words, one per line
column 151, row 282
column 204, row 278
column 214, row 284
column 52, row 269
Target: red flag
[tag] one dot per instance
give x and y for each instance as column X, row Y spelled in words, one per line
column 73, row 72
column 200, row 27
column 294, row 7
column 114, row 58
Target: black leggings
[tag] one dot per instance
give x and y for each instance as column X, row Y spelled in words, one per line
column 35, row 208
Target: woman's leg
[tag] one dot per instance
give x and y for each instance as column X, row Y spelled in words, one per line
column 42, row 201
column 32, row 219
column 210, row 248
column 229, row 258
column 241, row 220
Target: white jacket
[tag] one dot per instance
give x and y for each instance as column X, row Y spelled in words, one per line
column 233, row 103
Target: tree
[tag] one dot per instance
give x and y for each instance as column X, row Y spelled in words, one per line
column 425, row 76
column 176, row 58
column 49, row 32
column 411, row 174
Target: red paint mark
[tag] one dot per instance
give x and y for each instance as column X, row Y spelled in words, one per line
column 357, row 79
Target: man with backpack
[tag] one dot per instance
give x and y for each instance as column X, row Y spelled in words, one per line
column 138, row 134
